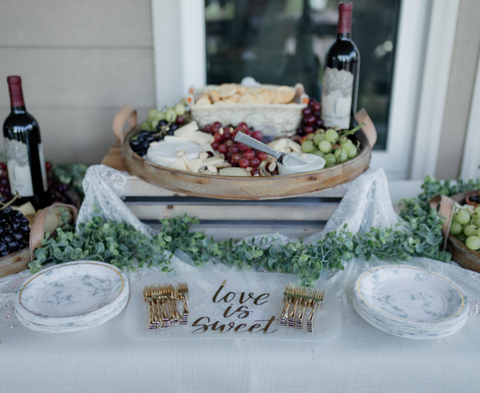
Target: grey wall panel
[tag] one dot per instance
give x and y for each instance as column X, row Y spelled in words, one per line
column 79, row 78
column 75, row 135
column 76, row 23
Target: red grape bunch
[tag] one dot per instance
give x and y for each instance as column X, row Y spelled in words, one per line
column 312, row 119
column 237, row 154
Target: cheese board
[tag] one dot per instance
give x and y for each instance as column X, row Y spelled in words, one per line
column 242, row 188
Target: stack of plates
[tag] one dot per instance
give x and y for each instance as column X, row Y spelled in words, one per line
column 410, row 302
column 71, row 297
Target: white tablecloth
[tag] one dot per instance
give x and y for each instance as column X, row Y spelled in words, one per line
column 362, row 359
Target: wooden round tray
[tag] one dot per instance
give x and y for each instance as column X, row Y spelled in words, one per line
column 228, row 187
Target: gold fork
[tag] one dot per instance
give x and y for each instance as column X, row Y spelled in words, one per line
column 183, row 292
column 305, row 301
column 317, row 302
column 297, row 295
column 287, row 294
column 176, row 317
column 147, row 297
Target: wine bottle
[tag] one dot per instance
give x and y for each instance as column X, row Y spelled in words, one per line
column 340, row 79
column 24, row 150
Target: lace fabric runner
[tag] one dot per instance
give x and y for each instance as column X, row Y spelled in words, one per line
column 366, row 203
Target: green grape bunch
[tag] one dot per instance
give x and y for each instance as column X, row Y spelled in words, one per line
column 333, row 145
column 465, row 225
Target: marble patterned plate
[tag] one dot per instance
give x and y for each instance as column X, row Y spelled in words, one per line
column 71, row 290
column 410, row 295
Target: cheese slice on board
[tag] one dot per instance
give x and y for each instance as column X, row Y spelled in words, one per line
column 165, row 153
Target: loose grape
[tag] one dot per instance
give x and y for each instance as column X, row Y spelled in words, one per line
column 243, row 163
column 325, row 146
column 331, row 136
column 347, row 145
column 455, row 228
column 223, row 148
column 462, row 217
column 318, row 138
column 155, row 123
column 352, row 152
column 330, row 159
column 308, row 129
column 171, row 115
column 180, row 109
column 341, row 155
column 476, row 221
column 473, row 243
column 254, row 162
column 153, row 113
column 262, row 156
column 308, row 146
column 160, row 116
column 257, row 135
column 470, row 230
column 249, row 154
column 476, row 212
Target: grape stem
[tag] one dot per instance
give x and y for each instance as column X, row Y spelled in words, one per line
column 5, row 205
column 354, row 130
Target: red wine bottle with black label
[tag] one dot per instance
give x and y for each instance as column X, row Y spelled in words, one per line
column 24, row 150
column 340, row 80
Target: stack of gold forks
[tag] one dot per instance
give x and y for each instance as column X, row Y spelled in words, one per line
column 296, row 300
column 162, row 305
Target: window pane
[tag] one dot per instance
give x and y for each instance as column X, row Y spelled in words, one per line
column 276, row 42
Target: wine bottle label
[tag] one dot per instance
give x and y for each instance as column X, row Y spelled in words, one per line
column 337, row 92
column 18, row 164
column 43, row 168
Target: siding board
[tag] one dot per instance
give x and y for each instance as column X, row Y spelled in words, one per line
column 73, row 23
column 86, row 78
column 74, row 135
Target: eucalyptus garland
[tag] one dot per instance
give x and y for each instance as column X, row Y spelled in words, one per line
column 417, row 235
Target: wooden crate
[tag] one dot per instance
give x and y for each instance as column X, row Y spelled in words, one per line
column 297, row 217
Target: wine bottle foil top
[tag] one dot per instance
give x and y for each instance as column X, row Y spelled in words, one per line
column 345, row 17
column 14, row 80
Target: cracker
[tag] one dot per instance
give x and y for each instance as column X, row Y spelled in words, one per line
column 214, row 96
column 227, row 91
column 246, row 99
column 285, row 94
column 242, row 89
column 203, row 101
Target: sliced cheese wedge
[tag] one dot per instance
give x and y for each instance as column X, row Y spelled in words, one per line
column 180, row 163
column 234, row 172
column 200, row 138
column 187, row 130
column 215, row 161
column 195, row 165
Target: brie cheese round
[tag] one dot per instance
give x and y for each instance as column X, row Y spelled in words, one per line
column 164, row 153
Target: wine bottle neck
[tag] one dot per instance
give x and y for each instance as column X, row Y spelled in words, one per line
column 18, row 109
column 16, row 94
column 344, row 36
column 344, row 30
